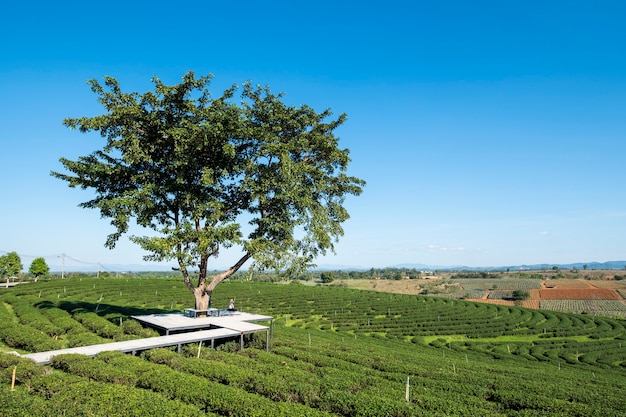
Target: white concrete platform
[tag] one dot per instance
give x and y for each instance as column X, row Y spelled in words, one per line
column 231, row 325
column 179, row 322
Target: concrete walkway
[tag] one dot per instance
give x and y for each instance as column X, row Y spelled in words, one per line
column 222, row 327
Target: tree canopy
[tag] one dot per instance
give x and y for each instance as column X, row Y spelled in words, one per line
column 210, row 173
column 10, row 264
column 39, row 267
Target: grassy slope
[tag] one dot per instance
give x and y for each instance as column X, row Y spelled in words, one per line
column 335, row 351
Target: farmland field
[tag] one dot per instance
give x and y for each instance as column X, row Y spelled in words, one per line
column 609, row 284
column 334, row 352
column 500, row 291
column 568, row 284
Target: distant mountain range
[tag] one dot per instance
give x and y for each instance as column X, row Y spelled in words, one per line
column 111, row 268
column 327, row 267
column 423, row 267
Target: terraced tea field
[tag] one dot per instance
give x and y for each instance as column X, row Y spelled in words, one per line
column 334, row 352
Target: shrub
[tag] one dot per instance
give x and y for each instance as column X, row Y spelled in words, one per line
column 97, row 399
column 87, row 367
column 519, row 295
column 21, row 403
column 27, row 338
column 99, row 325
column 84, row 339
column 133, row 327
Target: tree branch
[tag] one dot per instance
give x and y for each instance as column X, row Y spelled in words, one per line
column 222, row 276
column 186, row 279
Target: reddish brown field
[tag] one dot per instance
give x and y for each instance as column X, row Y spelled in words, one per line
column 530, row 304
column 601, row 286
column 534, row 294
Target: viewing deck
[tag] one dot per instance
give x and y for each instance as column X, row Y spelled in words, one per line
column 187, row 330
column 170, row 323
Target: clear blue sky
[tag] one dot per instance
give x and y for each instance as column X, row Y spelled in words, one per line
column 489, row 132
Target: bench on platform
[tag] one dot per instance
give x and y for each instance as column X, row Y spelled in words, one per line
column 210, row 312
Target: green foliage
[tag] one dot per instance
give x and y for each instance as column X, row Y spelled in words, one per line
column 133, row 327
column 23, row 335
column 327, row 277
column 99, row 325
column 20, row 403
column 31, row 316
column 39, row 267
column 475, row 275
column 189, row 166
column 10, row 264
column 462, row 358
column 103, row 399
column 61, row 318
column 520, row 295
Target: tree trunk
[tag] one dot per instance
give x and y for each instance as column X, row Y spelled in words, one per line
column 202, row 293
column 203, row 299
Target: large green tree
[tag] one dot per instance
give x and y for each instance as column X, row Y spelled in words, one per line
column 10, row 264
column 38, row 267
column 210, row 173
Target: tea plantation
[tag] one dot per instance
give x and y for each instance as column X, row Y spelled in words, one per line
column 334, row 352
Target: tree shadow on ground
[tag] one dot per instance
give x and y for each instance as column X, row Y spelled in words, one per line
column 101, row 309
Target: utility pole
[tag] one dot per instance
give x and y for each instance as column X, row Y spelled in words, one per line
column 62, row 266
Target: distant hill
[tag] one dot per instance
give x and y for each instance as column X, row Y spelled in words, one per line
column 615, row 265
column 112, row 268
column 577, row 265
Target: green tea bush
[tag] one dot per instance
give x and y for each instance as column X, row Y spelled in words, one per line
column 490, row 360
column 133, row 327
column 22, row 403
column 99, row 325
column 98, row 399
column 25, row 369
column 27, row 338
column 84, row 339
column 85, row 366
column 61, row 318
column 30, row 315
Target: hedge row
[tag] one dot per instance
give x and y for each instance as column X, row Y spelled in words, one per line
column 346, row 391
column 42, row 393
column 21, row 336
column 206, row 395
column 30, row 315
